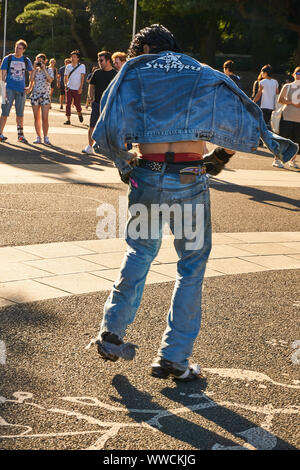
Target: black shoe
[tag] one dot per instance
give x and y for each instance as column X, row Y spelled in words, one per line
column 109, row 338
column 162, row 369
column 111, row 347
column 67, row 122
column 80, row 117
column 22, row 139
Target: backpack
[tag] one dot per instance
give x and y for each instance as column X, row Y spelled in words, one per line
column 26, row 60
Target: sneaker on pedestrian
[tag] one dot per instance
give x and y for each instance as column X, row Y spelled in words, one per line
column 293, row 164
column 278, row 164
column 38, row 140
column 22, row 139
column 88, row 149
column 162, row 369
column 61, row 106
column 47, row 141
column 2, row 138
column 80, row 117
column 67, row 122
column 111, row 347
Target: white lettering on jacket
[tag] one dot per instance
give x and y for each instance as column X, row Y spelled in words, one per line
column 170, row 61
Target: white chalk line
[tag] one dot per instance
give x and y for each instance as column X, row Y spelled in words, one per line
column 258, row 437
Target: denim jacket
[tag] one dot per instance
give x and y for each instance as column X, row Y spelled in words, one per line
column 171, row 97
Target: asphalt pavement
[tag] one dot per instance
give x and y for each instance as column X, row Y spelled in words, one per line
column 56, row 395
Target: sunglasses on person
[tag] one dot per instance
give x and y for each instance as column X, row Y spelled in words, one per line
column 297, row 73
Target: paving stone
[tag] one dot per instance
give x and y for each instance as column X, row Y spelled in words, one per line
column 275, row 262
column 66, row 265
column 78, row 283
column 54, row 250
column 234, row 266
column 19, row 271
column 28, row 291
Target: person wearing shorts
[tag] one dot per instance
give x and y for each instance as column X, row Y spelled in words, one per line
column 40, row 97
column 98, row 83
column 13, row 70
column 61, row 82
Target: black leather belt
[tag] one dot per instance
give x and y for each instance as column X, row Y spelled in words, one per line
column 195, row 167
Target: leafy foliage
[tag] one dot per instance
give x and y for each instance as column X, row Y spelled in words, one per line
column 268, row 30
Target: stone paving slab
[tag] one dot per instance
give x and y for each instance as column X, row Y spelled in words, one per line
column 285, row 178
column 78, row 283
column 267, row 248
column 28, row 291
column 274, row 262
column 14, row 255
column 66, row 265
column 36, row 272
column 20, row 271
column 235, row 266
column 56, row 173
column 263, row 237
column 53, row 250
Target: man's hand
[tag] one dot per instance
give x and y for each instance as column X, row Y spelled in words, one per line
column 125, row 176
column 27, row 90
column 80, row 91
column 132, row 162
column 215, row 161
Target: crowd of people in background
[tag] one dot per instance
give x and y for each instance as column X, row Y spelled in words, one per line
column 70, row 79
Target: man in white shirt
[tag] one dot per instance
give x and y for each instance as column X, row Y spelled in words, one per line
column 74, row 80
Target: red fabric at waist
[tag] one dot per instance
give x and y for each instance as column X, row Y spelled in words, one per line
column 178, row 157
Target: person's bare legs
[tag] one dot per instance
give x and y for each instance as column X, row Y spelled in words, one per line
column 91, row 140
column 45, row 119
column 3, row 120
column 37, row 120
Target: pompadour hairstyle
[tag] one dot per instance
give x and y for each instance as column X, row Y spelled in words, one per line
column 157, row 37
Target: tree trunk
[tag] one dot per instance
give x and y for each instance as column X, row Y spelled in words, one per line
column 208, row 45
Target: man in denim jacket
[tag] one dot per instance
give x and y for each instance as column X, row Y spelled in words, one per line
column 170, row 104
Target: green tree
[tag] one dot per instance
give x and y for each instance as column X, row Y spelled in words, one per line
column 195, row 23
column 111, row 23
column 14, row 30
column 285, row 16
column 43, row 18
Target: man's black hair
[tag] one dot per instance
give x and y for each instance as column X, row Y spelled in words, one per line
column 157, row 37
column 229, row 64
column 267, row 69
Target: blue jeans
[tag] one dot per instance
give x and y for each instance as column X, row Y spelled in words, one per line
column 19, row 97
column 150, row 188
